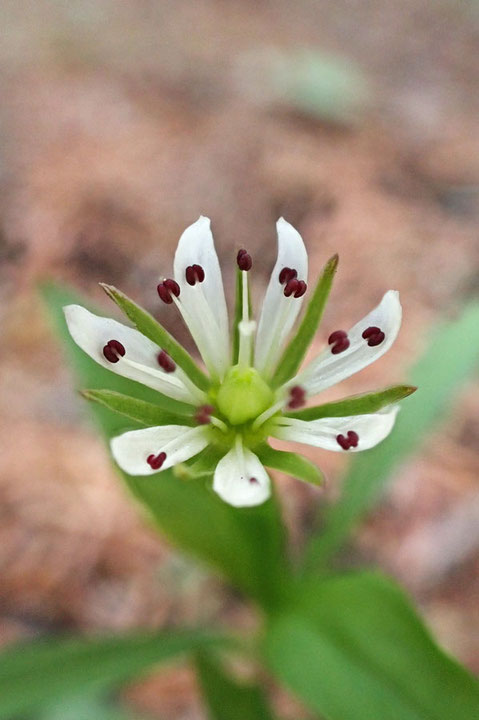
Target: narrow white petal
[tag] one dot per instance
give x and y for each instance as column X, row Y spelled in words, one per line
column 328, row 369
column 180, row 443
column 140, row 363
column 205, row 305
column 279, row 312
column 240, row 479
column 370, row 429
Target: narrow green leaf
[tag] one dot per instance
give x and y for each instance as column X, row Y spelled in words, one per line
column 39, row 673
column 227, row 699
column 291, row 464
column 246, row 545
column 355, row 405
column 83, row 707
column 296, row 350
column 150, row 327
column 440, row 374
column 143, row 412
column 353, row 648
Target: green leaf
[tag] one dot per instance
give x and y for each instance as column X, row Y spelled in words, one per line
column 143, row 412
column 356, row 405
column 85, row 708
column 39, row 673
column 449, row 361
column 353, row 648
column 150, row 327
column 246, row 545
column 290, row 463
column 295, row 351
column 227, row 699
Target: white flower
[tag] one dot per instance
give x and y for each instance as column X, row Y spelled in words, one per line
column 253, row 390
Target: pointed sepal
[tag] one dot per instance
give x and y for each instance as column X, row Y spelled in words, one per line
column 290, row 463
column 364, row 404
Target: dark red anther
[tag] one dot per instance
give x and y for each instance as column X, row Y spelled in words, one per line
column 349, row 441
column 203, row 414
column 286, row 275
column 302, row 287
column 291, row 287
column 165, row 362
column 339, row 341
column 113, row 350
column 194, row 274
column 373, row 335
column 353, row 438
column 244, row 260
column 297, row 396
column 156, row 461
column 253, row 481
column 168, row 288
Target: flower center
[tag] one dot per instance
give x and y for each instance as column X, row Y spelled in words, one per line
column 243, row 395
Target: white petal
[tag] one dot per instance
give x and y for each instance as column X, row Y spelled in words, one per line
column 279, row 312
column 204, row 303
column 371, row 429
column 328, row 369
column 241, row 480
column 92, row 332
column 132, row 449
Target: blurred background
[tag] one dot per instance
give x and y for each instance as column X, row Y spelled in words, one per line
column 121, row 122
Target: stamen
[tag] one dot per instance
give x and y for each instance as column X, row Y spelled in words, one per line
column 165, row 362
column 244, row 260
column 253, row 481
column 373, row 335
column 194, row 274
column 113, row 350
column 156, row 461
column 286, row 275
column 349, row 441
column 203, row 414
column 301, row 289
column 291, row 287
column 166, row 289
column 298, row 397
column 339, row 341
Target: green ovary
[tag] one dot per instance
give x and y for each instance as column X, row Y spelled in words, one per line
column 243, row 395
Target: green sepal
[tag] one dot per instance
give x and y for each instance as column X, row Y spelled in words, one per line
column 239, row 312
column 290, row 463
column 363, row 404
column 153, row 330
column 202, row 465
column 296, row 349
column 168, row 412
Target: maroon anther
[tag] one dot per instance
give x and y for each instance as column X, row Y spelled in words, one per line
column 291, row 287
column 373, row 335
column 286, row 275
column 156, row 461
column 297, row 397
column 165, row 362
column 168, row 288
column 244, row 260
column 113, row 350
column 348, row 441
column 253, row 481
column 339, row 341
column 203, row 414
column 302, row 287
column 194, row 274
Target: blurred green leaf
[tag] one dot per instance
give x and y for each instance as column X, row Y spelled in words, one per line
column 39, row 673
column 353, row 648
column 140, row 411
column 326, row 86
column 449, row 361
column 356, row 404
column 86, row 708
column 246, row 545
column 297, row 347
column 290, row 463
column 150, row 327
column 227, row 699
